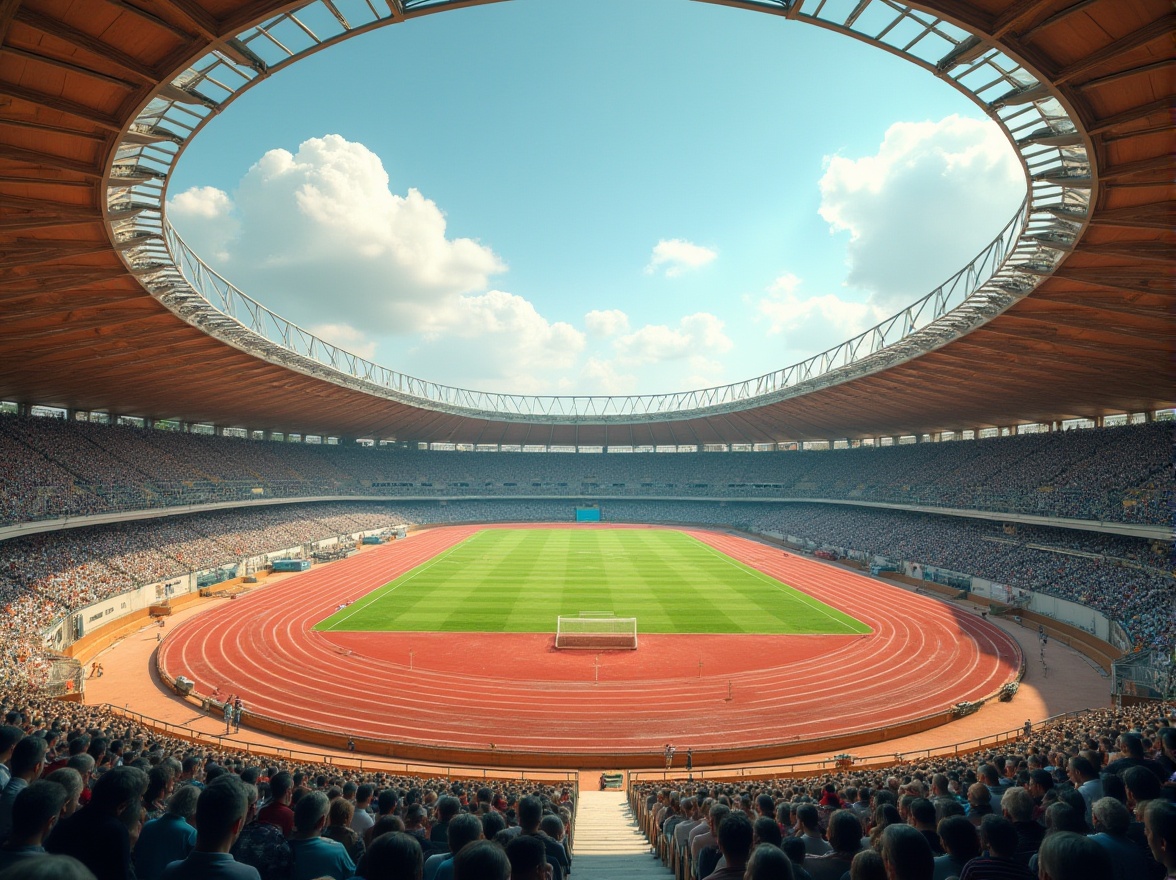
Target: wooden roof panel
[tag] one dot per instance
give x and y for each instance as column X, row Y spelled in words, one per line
column 80, row 332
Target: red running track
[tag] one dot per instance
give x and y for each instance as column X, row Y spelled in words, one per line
column 514, row 692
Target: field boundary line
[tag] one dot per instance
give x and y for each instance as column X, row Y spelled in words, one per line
column 806, row 599
column 380, row 593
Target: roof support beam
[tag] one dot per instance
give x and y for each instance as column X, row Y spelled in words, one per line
column 44, row 221
column 1162, row 164
column 1112, row 78
column 1129, row 278
column 62, row 105
column 1110, row 306
column 1143, row 111
column 1161, row 29
column 55, row 129
column 7, row 11
column 1161, row 215
column 1059, row 16
column 1073, row 319
column 153, row 19
column 78, row 322
column 1009, row 19
column 47, row 206
column 56, row 279
column 194, row 14
column 70, row 66
column 62, row 31
column 34, row 253
column 32, row 157
column 47, row 180
column 1151, row 251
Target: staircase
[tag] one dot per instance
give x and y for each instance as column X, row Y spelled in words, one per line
column 609, row 844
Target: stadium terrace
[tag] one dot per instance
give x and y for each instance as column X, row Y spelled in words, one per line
column 905, row 609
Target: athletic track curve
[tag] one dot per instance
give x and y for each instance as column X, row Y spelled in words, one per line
column 501, row 692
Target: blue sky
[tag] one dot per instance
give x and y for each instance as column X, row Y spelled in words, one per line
column 605, row 197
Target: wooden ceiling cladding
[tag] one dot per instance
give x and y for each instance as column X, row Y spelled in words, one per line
column 77, row 330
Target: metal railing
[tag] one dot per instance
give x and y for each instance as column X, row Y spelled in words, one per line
column 302, row 350
column 352, row 761
column 98, row 498
column 1048, row 143
column 836, row 763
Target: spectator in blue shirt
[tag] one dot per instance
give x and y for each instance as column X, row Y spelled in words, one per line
column 314, row 855
column 36, row 811
column 170, row 837
column 220, row 815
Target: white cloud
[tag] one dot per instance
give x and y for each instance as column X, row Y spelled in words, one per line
column 603, row 376
column 784, row 285
column 808, row 325
column 201, row 201
column 346, row 337
column 497, row 341
column 320, row 236
column 933, row 195
column 205, row 214
column 813, row 324
column 696, row 335
column 321, row 230
column 676, row 255
column 608, row 322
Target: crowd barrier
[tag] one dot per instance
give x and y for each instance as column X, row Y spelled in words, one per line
column 357, row 761
column 838, row 764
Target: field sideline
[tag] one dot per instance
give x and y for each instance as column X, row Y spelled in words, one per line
column 520, row 580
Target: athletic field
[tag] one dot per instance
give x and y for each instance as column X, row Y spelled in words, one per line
column 520, row 580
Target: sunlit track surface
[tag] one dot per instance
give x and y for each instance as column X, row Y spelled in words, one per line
column 466, row 691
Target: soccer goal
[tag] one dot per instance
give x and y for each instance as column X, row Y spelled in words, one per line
column 596, row 630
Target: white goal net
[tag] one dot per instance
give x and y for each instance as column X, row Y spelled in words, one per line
column 598, row 631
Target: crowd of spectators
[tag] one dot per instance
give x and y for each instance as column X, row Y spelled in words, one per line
column 1100, row 783
column 1127, row 579
column 129, row 803
column 46, row 576
column 126, row 801
column 53, row 467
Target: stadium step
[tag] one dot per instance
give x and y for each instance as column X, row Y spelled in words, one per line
column 609, row 843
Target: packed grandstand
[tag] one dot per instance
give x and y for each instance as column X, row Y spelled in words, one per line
column 60, row 468
column 995, row 804
column 53, row 468
column 1066, row 321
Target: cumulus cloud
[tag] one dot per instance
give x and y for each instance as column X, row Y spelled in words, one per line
column 675, row 255
column 917, row 210
column 205, row 214
column 784, row 285
column 324, row 223
column 346, row 337
column 810, row 325
column 697, row 335
column 201, row 201
column 323, row 237
column 604, row 376
column 608, row 322
column 497, row 341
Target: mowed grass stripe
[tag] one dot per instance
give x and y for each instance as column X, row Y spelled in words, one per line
column 520, row 580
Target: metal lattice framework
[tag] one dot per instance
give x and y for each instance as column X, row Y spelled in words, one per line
column 1049, row 142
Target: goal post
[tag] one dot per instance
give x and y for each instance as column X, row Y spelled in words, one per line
column 593, row 630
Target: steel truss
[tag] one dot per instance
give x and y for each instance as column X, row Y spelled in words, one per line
column 1048, row 142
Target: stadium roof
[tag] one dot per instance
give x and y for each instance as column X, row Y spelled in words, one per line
column 1082, row 325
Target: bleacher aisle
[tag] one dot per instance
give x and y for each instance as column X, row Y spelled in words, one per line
column 609, row 842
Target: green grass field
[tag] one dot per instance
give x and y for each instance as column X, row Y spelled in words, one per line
column 520, row 580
